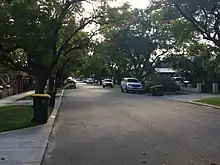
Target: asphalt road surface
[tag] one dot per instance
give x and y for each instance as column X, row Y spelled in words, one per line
column 99, row 126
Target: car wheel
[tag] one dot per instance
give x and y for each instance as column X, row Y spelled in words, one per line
column 111, row 86
column 103, row 86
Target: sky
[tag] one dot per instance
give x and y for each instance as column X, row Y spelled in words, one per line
column 142, row 4
column 137, row 3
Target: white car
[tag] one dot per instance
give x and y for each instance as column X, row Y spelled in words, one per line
column 131, row 84
column 107, row 83
column 89, row 81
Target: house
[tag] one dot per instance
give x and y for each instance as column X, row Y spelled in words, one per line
column 20, row 82
column 167, row 72
column 165, row 69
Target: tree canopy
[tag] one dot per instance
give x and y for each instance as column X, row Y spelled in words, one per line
column 135, row 45
column 50, row 29
column 204, row 15
column 130, row 42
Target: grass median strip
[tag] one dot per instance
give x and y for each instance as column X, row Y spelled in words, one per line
column 210, row 101
column 15, row 117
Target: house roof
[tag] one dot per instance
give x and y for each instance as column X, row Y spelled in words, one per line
column 165, row 70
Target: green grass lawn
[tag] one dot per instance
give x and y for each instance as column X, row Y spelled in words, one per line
column 15, row 117
column 211, row 101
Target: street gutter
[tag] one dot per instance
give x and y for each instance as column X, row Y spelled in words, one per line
column 51, row 120
column 203, row 104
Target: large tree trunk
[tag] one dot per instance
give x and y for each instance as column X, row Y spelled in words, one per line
column 58, row 81
column 40, row 106
column 41, row 81
column 51, row 84
column 57, row 84
column 51, row 91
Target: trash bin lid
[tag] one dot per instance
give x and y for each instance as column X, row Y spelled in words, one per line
column 157, row 86
column 40, row 95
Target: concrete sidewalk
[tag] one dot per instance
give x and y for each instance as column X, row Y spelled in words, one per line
column 27, row 146
column 11, row 99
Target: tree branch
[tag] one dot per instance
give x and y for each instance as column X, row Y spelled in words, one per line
column 60, row 19
column 216, row 26
column 194, row 22
column 83, row 25
column 155, row 63
column 12, row 64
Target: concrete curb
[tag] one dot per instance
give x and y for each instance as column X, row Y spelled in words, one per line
column 195, row 103
column 51, row 121
column 28, row 145
column 203, row 104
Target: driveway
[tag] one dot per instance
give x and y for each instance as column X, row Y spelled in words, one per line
column 99, row 126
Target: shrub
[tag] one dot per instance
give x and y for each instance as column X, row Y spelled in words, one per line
column 206, row 87
column 168, row 84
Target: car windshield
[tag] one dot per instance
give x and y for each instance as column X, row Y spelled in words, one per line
column 133, row 80
column 108, row 80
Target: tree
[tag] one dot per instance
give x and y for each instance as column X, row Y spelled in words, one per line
column 95, row 66
column 134, row 51
column 4, row 75
column 41, row 39
column 135, row 46
column 204, row 15
column 198, row 62
column 68, row 64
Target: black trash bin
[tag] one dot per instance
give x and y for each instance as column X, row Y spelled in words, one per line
column 41, row 104
column 157, row 90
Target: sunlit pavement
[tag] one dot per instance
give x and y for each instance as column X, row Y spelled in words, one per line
column 99, row 126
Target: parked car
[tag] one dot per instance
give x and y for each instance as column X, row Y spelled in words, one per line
column 107, row 83
column 69, row 79
column 89, row 81
column 131, row 84
column 180, row 81
column 71, row 84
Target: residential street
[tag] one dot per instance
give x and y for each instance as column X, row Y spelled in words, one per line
column 98, row 126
